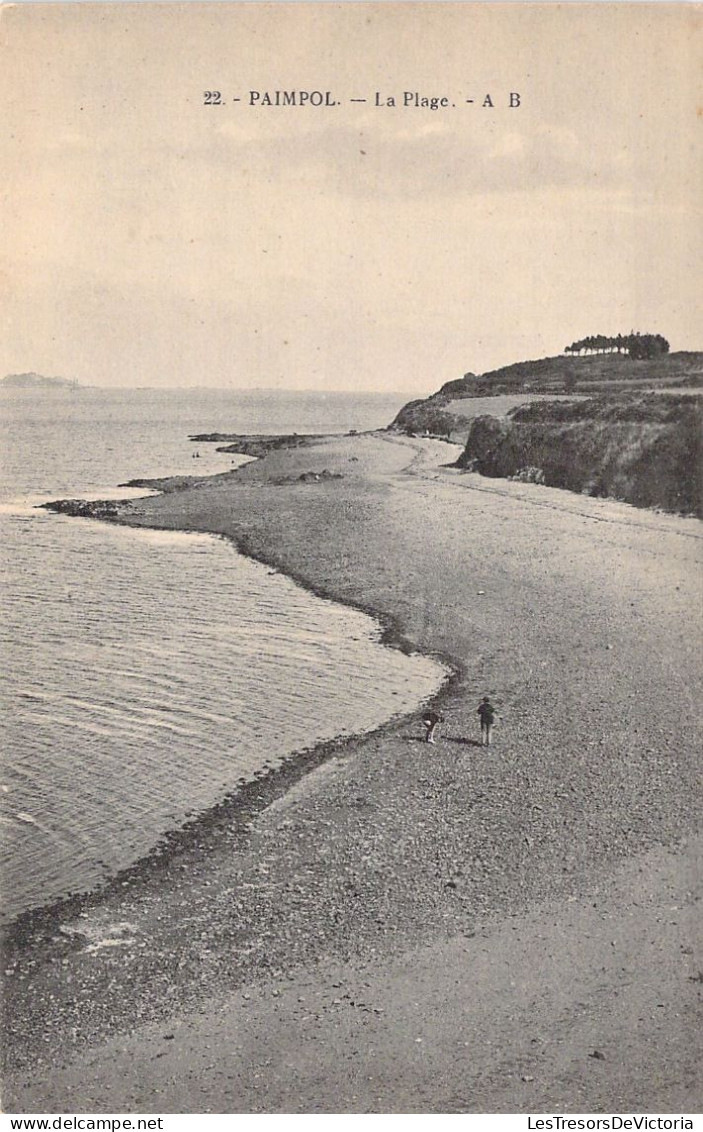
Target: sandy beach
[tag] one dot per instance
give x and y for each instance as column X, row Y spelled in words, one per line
column 385, row 926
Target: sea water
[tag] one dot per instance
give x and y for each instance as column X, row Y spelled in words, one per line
column 147, row 674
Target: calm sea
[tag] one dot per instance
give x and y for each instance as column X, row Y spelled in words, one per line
column 147, row 674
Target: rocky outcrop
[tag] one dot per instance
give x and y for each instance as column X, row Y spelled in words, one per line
column 254, row 445
column 85, row 508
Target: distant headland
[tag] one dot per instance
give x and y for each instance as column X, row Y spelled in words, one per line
column 37, row 381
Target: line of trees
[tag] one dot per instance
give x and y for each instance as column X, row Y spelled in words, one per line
column 634, row 344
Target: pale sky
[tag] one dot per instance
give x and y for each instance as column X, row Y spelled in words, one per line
column 152, row 240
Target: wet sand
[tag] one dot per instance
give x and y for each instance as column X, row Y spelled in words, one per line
column 389, row 926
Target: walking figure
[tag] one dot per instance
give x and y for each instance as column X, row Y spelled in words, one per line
column 486, row 713
column 431, row 721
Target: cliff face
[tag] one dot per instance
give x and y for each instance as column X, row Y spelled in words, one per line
column 614, row 430
column 646, row 450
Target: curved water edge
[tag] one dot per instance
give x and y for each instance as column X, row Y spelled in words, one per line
column 65, row 602
column 256, row 790
column 203, row 835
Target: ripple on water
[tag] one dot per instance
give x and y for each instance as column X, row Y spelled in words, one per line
column 147, row 672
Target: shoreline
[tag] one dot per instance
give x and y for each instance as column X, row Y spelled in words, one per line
column 243, row 801
column 379, row 849
column 241, row 804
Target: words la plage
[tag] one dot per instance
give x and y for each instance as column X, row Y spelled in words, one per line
column 408, row 99
column 414, row 99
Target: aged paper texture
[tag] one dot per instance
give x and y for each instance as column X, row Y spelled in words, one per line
column 388, row 802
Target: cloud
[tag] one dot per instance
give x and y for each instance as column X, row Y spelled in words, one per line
column 466, row 152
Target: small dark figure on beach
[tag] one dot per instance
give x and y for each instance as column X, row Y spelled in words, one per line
column 486, row 713
column 431, row 721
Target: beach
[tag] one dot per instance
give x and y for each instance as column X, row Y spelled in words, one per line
column 385, row 926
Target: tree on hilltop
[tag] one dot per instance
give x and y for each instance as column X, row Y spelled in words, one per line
column 634, row 344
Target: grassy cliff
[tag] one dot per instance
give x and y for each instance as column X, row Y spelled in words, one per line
column 588, row 374
column 451, row 409
column 604, row 424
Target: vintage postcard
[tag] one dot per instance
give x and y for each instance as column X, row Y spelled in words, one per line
column 351, row 402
